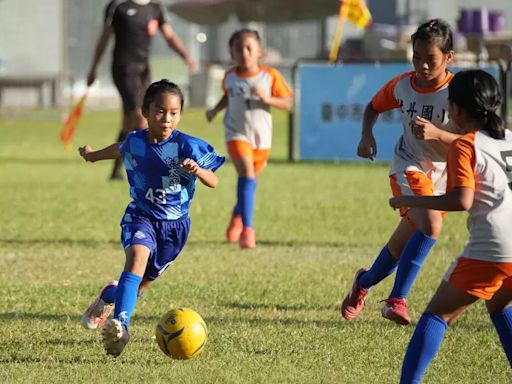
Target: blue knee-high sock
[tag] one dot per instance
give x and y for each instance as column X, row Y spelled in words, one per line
column 503, row 323
column 245, row 192
column 109, row 296
column 422, row 348
column 237, row 211
column 411, row 260
column 383, row 266
column 126, row 298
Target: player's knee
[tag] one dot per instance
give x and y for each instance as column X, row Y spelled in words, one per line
column 499, row 302
column 136, row 259
column 144, row 285
column 244, row 168
column 451, row 320
column 395, row 250
column 430, row 224
column 433, row 229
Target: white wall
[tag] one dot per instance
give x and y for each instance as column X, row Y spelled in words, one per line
column 31, row 39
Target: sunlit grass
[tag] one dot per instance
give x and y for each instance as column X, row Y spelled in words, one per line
column 272, row 313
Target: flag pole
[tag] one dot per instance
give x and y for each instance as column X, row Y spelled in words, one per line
column 72, row 120
column 338, row 33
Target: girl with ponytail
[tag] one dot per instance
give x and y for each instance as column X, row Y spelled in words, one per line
column 480, row 181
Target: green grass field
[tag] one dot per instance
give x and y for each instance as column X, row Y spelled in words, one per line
column 272, row 313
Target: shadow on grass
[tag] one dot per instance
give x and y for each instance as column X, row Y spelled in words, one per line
column 302, row 243
column 272, row 161
column 279, row 307
column 251, row 319
column 87, row 243
column 247, row 317
column 37, row 316
column 327, row 163
column 72, row 342
column 95, row 358
column 96, row 243
column 39, row 160
column 67, row 242
column 45, row 360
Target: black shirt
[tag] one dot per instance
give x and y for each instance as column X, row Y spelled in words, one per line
column 133, row 26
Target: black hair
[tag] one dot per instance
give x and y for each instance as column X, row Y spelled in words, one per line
column 435, row 29
column 478, row 94
column 238, row 34
column 159, row 87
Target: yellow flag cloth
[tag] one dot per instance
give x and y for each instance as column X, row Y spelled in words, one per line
column 357, row 12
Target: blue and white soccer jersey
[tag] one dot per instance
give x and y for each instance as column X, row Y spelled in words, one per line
column 159, row 187
column 162, row 192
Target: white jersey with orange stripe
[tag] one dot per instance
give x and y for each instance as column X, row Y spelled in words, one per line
column 411, row 154
column 246, row 117
column 490, row 217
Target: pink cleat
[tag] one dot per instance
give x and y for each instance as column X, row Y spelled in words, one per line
column 99, row 311
column 353, row 304
column 395, row 309
column 234, row 229
column 248, row 238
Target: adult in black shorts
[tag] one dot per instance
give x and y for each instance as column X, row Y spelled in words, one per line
column 134, row 23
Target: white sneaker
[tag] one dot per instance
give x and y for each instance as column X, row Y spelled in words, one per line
column 115, row 337
column 99, row 311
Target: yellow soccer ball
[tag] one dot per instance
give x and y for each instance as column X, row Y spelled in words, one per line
column 181, row 333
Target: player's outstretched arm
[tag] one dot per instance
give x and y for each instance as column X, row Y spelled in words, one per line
column 460, row 199
column 206, row 176
column 211, row 113
column 108, row 153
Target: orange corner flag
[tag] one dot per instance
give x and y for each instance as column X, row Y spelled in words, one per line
column 71, row 123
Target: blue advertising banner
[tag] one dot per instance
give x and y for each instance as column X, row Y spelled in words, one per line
column 330, row 105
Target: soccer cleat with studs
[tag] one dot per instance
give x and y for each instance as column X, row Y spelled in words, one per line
column 354, row 302
column 247, row 238
column 98, row 312
column 395, row 309
column 234, row 229
column 115, row 337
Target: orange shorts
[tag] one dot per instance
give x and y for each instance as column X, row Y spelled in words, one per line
column 411, row 183
column 238, row 149
column 479, row 278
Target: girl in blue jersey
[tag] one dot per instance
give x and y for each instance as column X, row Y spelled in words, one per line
column 162, row 165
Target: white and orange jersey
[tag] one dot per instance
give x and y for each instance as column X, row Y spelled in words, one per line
column 411, row 154
column 484, row 164
column 246, row 117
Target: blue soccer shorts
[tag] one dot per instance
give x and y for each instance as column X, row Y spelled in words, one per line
column 165, row 239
